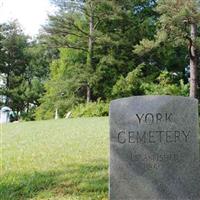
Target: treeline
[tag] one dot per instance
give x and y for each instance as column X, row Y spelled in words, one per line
column 92, row 51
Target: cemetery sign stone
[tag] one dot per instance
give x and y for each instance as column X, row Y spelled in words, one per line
column 154, row 151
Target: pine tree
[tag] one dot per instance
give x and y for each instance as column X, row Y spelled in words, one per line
column 177, row 25
column 75, row 26
column 14, row 63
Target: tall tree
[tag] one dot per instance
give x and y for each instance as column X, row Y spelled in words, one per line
column 24, row 67
column 35, row 74
column 76, row 27
column 178, row 24
column 14, row 63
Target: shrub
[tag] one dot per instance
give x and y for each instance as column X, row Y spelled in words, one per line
column 130, row 85
column 29, row 116
column 180, row 89
column 91, row 109
column 43, row 112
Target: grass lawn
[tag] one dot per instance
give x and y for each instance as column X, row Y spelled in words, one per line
column 56, row 159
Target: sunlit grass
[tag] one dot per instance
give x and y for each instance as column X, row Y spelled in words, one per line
column 63, row 159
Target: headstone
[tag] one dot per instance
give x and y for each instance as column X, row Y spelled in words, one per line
column 68, row 115
column 154, row 151
column 56, row 114
column 5, row 114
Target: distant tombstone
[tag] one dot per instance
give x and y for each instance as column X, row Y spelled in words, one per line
column 56, row 114
column 154, row 152
column 68, row 115
column 5, row 114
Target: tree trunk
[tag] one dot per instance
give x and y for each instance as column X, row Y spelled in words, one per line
column 7, row 89
column 88, row 93
column 91, row 41
column 193, row 63
column 90, row 63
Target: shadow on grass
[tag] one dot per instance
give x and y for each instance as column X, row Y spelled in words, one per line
column 86, row 180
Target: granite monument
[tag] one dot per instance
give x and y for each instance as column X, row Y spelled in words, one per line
column 154, row 150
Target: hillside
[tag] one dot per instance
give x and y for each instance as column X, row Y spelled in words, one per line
column 56, row 159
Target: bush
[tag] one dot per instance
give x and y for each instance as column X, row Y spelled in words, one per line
column 29, row 116
column 92, row 109
column 44, row 113
column 168, row 89
column 48, row 107
column 165, row 85
column 130, row 85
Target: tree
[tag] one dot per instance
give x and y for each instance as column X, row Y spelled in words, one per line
column 13, row 64
column 64, row 89
column 76, row 27
column 104, row 33
column 35, row 76
column 177, row 24
column 24, row 66
column 119, row 35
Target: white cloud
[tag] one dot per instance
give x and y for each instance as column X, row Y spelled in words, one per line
column 30, row 13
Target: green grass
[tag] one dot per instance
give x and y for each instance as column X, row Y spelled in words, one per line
column 56, row 159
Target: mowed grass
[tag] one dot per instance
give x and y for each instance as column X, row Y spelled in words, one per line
column 56, row 159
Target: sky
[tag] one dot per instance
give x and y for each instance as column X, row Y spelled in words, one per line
column 31, row 14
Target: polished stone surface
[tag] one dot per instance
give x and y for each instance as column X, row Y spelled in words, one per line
column 154, row 153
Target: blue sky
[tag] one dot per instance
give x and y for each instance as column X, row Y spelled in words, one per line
column 30, row 13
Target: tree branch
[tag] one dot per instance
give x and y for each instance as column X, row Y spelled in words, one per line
column 190, row 47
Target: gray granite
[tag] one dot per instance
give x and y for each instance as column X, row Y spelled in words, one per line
column 154, row 151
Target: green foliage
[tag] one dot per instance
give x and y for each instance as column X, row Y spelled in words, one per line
column 91, row 109
column 65, row 87
column 29, row 115
column 172, row 27
column 24, row 66
column 39, row 58
column 130, row 85
column 164, row 85
column 44, row 112
column 113, row 36
column 13, row 64
column 174, row 32
column 147, row 45
column 91, row 49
